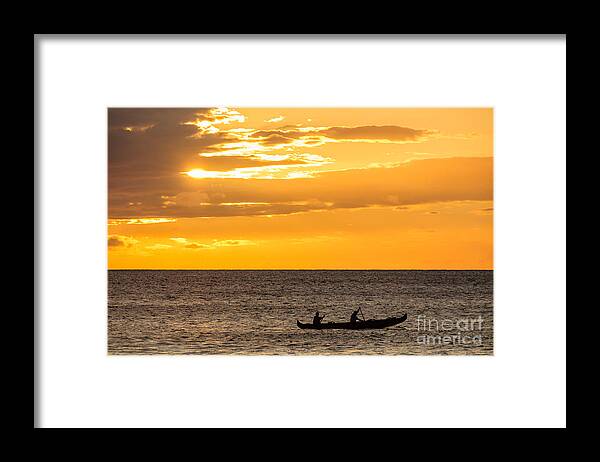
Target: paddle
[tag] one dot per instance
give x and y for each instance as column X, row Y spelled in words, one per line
column 362, row 314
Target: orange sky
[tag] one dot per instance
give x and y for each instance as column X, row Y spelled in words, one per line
column 300, row 188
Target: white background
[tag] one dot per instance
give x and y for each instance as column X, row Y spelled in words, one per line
column 523, row 384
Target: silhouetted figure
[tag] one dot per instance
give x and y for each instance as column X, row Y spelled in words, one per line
column 354, row 317
column 317, row 319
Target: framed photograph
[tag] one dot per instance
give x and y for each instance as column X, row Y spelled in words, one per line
column 240, row 231
column 286, row 231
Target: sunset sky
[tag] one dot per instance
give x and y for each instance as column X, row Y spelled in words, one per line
column 300, row 188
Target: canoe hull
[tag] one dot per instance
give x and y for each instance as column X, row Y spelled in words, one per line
column 360, row 325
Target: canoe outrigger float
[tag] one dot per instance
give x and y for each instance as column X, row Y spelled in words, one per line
column 359, row 325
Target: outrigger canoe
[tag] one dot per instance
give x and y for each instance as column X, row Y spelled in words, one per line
column 367, row 324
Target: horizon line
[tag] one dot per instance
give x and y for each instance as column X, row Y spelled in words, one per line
column 300, row 269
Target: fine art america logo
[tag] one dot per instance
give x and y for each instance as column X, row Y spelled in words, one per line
column 463, row 331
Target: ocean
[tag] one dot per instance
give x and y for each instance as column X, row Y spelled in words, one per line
column 247, row 312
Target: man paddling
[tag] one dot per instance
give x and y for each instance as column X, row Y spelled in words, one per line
column 317, row 319
column 354, row 317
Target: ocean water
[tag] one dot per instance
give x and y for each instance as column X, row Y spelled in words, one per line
column 255, row 312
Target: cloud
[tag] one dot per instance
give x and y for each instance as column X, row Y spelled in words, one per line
column 228, row 163
column 122, row 118
column 140, row 118
column 188, row 244
column 232, row 243
column 275, row 119
column 387, row 133
column 306, row 136
column 258, row 143
column 220, row 115
column 237, row 171
column 415, row 182
column 115, row 240
column 265, row 166
column 217, row 244
column 195, row 245
column 140, row 221
column 485, row 211
column 153, row 142
column 158, row 246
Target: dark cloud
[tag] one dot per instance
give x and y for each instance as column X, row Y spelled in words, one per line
column 385, row 133
column 141, row 161
column 416, row 182
column 153, row 145
column 120, row 118
column 120, row 241
column 275, row 139
column 149, row 149
column 115, row 242
column 289, row 134
column 194, row 245
column 380, row 133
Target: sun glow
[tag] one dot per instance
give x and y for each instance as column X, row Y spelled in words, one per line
column 202, row 174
